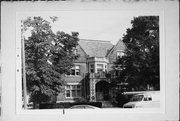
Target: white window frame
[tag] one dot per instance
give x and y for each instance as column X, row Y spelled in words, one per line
column 71, row 88
column 75, row 51
column 91, row 67
column 76, row 69
column 99, row 67
column 119, row 54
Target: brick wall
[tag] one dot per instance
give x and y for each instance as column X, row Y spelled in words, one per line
column 82, row 55
column 113, row 54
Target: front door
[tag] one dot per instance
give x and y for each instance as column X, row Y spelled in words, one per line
column 102, row 91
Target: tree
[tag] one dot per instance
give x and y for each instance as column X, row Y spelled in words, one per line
column 47, row 57
column 139, row 66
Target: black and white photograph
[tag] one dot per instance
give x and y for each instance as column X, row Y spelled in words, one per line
column 90, row 60
column 86, row 60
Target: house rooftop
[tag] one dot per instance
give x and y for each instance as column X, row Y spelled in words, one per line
column 95, row 48
column 95, row 40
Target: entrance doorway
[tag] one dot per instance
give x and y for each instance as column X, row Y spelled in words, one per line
column 102, row 91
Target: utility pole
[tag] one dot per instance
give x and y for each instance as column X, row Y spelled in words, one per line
column 23, row 68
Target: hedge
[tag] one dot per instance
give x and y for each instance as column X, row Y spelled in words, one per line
column 67, row 105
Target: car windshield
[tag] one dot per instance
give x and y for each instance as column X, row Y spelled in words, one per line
column 83, row 107
column 77, row 107
column 137, row 98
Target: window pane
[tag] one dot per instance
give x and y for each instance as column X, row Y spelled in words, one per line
column 99, row 70
column 73, row 87
column 75, row 51
column 78, row 87
column 67, row 93
column 92, row 71
column 120, row 54
column 92, row 66
column 72, row 72
column 78, row 93
column 73, row 93
column 67, row 87
column 77, row 67
column 100, row 66
column 77, row 72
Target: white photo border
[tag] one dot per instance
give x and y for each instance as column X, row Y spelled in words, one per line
column 57, row 114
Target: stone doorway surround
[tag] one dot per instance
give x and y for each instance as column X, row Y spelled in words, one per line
column 94, row 79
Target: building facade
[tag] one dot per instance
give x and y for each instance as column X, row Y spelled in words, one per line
column 89, row 79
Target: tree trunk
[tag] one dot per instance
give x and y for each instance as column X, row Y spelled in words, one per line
column 35, row 105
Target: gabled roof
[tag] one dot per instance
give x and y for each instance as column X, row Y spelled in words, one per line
column 119, row 46
column 95, row 48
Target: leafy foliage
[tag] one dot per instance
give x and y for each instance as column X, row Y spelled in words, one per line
column 139, row 67
column 47, row 57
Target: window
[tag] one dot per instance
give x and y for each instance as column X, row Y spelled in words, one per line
column 119, row 54
column 99, row 68
column 75, row 51
column 73, row 91
column 105, row 68
column 75, row 70
column 92, row 68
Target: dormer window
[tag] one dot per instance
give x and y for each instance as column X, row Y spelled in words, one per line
column 119, row 54
column 75, row 70
column 75, row 51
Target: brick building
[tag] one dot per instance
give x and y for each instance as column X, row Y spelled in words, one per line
column 89, row 77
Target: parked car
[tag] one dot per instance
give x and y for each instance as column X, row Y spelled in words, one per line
column 84, row 107
column 144, row 100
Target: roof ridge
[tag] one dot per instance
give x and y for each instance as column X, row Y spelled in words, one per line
column 95, row 40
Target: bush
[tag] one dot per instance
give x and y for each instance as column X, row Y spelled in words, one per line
column 121, row 99
column 80, row 99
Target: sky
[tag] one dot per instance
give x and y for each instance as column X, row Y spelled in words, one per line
column 95, row 25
